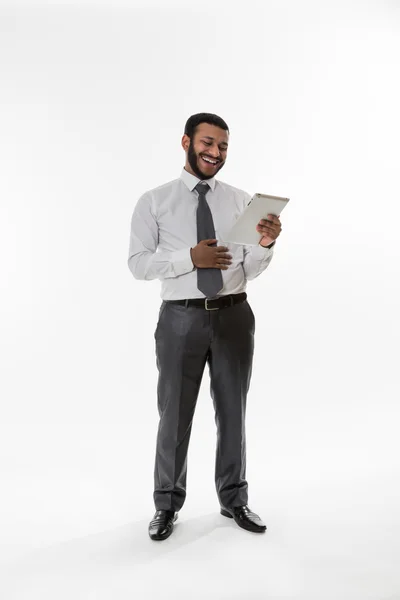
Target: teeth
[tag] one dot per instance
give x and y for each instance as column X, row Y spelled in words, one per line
column 209, row 161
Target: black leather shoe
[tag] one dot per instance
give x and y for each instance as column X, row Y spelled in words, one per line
column 162, row 524
column 245, row 518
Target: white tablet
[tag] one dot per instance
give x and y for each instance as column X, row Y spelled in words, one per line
column 244, row 230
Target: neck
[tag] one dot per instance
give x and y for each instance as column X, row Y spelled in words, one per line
column 189, row 169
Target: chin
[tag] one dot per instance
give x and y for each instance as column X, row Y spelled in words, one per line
column 208, row 176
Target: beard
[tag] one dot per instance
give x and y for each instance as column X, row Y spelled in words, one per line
column 193, row 162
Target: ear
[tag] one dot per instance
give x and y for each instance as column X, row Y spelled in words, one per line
column 185, row 142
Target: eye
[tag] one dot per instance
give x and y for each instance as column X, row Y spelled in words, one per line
column 207, row 143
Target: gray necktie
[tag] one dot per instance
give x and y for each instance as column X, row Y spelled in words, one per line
column 209, row 280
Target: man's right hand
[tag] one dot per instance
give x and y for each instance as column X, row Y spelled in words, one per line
column 205, row 256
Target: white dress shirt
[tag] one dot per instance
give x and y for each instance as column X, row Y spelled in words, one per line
column 164, row 229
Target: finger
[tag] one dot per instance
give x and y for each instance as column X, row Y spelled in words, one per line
column 222, row 262
column 275, row 226
column 266, row 229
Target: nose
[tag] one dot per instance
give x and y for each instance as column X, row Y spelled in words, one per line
column 214, row 151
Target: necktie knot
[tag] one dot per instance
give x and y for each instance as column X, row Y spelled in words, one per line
column 202, row 188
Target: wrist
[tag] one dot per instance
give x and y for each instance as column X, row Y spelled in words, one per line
column 269, row 245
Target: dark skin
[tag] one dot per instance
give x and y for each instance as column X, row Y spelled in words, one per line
column 212, row 142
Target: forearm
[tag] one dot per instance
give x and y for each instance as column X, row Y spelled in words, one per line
column 160, row 265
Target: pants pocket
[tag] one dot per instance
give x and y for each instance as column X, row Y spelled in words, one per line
column 160, row 314
column 249, row 309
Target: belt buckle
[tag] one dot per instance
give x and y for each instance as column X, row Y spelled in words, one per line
column 206, row 307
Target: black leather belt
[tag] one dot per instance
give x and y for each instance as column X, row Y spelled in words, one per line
column 212, row 303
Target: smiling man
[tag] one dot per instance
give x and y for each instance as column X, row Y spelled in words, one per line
column 204, row 318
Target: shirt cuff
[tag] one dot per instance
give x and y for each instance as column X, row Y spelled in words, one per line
column 261, row 251
column 182, row 261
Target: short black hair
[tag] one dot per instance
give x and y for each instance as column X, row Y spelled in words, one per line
column 210, row 118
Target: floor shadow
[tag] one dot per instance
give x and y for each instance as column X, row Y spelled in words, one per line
column 125, row 545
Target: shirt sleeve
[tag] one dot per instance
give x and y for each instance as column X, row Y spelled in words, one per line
column 255, row 258
column 144, row 261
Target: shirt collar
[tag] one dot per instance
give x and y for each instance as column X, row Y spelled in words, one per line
column 191, row 180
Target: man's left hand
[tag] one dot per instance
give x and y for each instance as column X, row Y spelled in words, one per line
column 270, row 229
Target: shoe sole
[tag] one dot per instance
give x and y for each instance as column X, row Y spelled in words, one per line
column 225, row 513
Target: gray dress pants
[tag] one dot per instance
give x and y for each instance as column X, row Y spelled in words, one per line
column 186, row 337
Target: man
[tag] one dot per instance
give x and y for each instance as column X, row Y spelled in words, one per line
column 204, row 317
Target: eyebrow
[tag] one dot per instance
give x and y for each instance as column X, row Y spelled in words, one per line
column 208, row 137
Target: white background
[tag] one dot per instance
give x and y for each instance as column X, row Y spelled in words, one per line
column 94, row 98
